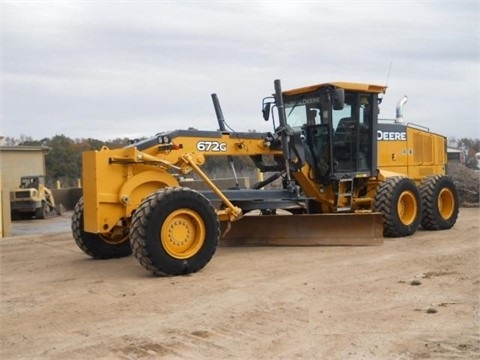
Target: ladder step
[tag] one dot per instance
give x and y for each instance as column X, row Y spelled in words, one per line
column 347, row 196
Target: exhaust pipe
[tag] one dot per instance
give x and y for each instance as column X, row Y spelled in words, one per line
column 399, row 115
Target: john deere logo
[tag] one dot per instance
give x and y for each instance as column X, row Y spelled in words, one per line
column 391, row 135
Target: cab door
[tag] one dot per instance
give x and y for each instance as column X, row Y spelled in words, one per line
column 352, row 140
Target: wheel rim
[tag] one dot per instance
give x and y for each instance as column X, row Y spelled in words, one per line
column 117, row 235
column 446, row 203
column 183, row 233
column 407, row 208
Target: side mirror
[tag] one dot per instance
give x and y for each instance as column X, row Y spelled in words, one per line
column 338, row 99
column 266, row 111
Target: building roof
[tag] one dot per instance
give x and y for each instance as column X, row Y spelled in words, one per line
column 45, row 149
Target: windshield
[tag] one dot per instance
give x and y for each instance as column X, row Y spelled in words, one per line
column 304, row 111
column 29, row 182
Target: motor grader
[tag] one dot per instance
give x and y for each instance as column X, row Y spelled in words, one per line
column 346, row 179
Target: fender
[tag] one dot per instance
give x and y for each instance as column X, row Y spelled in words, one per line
column 141, row 185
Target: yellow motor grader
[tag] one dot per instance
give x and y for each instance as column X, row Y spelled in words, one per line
column 346, row 179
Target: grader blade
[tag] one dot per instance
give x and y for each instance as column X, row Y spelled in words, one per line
column 360, row 229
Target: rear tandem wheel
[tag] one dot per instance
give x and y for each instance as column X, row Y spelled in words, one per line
column 440, row 202
column 175, row 231
column 398, row 199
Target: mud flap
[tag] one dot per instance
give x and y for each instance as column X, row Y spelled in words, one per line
column 305, row 230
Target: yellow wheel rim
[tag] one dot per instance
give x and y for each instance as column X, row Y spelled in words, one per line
column 183, row 233
column 446, row 203
column 407, row 207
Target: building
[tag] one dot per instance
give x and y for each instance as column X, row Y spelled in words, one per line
column 15, row 162
column 455, row 156
column 18, row 161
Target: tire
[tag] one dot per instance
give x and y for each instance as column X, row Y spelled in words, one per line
column 440, row 202
column 99, row 246
column 175, row 231
column 45, row 211
column 398, row 199
column 42, row 211
column 15, row 215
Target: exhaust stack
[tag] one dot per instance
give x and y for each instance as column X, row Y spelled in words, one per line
column 399, row 115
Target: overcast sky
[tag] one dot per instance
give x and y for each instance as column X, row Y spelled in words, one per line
column 109, row 69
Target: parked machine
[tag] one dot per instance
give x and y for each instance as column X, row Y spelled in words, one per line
column 33, row 199
column 347, row 179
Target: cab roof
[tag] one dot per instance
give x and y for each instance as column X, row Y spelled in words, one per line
column 340, row 84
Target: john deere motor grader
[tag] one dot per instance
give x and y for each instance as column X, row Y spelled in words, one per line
column 347, row 179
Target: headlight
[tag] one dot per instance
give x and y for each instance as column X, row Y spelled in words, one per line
column 163, row 139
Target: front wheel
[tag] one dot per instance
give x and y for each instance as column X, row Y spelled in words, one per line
column 114, row 244
column 440, row 202
column 398, row 199
column 175, row 231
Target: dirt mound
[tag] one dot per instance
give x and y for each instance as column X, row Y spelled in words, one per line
column 467, row 182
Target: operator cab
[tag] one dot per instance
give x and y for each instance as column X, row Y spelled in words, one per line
column 338, row 127
column 31, row 182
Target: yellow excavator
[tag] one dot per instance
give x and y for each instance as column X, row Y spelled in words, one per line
column 346, row 178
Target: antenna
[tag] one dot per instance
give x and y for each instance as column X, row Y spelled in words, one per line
column 388, row 73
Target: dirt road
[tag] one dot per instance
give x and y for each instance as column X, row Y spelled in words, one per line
column 412, row 298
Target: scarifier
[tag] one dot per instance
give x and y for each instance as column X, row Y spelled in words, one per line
column 346, row 179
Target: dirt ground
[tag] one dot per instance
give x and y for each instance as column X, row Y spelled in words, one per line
column 411, row 298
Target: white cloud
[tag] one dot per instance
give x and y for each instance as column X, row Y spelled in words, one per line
column 105, row 69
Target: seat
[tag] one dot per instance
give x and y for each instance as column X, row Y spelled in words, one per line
column 344, row 139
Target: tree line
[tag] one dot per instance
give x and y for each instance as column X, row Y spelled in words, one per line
column 63, row 162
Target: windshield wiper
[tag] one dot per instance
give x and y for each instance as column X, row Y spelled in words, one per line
column 293, row 108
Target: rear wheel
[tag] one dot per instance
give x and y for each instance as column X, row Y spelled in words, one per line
column 15, row 215
column 175, row 231
column 45, row 211
column 109, row 245
column 440, row 202
column 398, row 199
